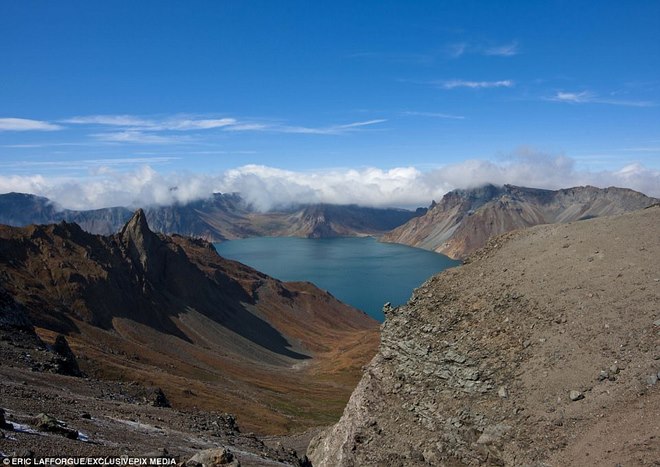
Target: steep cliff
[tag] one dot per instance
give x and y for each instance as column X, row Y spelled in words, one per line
column 541, row 350
column 464, row 220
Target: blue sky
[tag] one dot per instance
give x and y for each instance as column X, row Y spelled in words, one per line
column 373, row 102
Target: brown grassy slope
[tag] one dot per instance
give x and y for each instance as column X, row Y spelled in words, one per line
column 168, row 311
column 478, row 367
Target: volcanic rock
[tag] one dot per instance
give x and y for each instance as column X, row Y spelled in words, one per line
column 464, row 220
column 67, row 363
column 158, row 398
column 213, row 458
column 420, row 398
column 45, row 422
column 575, row 395
column 3, row 423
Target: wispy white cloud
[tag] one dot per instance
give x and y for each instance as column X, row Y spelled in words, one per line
column 458, row 49
column 202, row 124
column 135, row 136
column 25, row 124
column 504, row 50
column 459, row 83
column 573, row 97
column 451, row 50
column 360, row 124
column 87, row 164
column 160, row 131
column 588, row 97
column 180, row 123
column 410, row 113
column 268, row 187
column 328, row 130
column 247, row 127
column 111, row 120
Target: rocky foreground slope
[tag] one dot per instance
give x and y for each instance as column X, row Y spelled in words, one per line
column 542, row 350
column 153, row 320
column 464, row 220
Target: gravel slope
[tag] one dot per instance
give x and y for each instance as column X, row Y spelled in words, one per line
column 543, row 349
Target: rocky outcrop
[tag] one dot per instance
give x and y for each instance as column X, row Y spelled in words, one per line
column 66, row 361
column 464, row 220
column 501, row 361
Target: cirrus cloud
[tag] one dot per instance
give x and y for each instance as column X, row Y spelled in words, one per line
column 459, row 83
column 588, row 97
column 26, row 124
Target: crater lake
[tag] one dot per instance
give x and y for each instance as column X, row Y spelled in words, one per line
column 359, row 271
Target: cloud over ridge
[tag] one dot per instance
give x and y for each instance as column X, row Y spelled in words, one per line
column 269, row 187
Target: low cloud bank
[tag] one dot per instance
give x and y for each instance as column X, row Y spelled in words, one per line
column 267, row 187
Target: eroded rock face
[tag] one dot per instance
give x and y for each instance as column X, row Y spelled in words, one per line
column 464, row 220
column 478, row 367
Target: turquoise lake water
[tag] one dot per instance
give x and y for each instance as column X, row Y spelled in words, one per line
column 359, row 271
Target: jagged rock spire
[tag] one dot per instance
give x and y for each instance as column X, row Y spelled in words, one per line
column 141, row 243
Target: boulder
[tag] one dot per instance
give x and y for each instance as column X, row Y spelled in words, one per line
column 45, row 422
column 66, row 361
column 158, row 398
column 3, row 423
column 212, row 458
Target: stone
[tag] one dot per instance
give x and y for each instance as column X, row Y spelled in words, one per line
column 158, row 398
column 614, row 369
column 160, row 452
column 493, row 433
column 66, row 361
column 212, row 458
column 45, row 422
column 452, row 356
column 3, row 423
column 575, row 395
column 503, row 392
column 652, row 380
column 603, row 375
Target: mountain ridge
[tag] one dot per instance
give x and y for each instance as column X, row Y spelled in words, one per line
column 223, row 216
column 464, row 220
